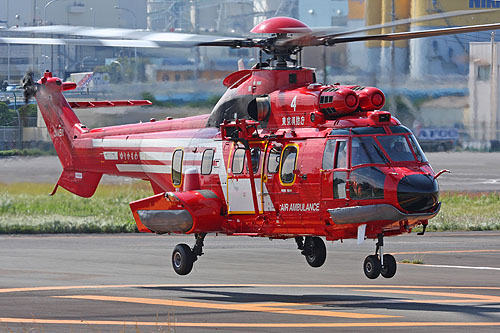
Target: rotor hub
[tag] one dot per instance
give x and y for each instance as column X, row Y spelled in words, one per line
column 280, row 25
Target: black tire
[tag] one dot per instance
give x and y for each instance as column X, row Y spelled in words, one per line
column 389, row 268
column 372, row 267
column 318, row 256
column 182, row 259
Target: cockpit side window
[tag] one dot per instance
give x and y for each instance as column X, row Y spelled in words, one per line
column 416, row 148
column 329, row 155
column 341, row 155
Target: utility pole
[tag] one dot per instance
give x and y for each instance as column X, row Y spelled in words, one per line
column 196, row 25
column 493, row 91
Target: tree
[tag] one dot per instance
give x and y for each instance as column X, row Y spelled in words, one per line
column 7, row 116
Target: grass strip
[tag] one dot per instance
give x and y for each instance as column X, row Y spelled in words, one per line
column 25, row 208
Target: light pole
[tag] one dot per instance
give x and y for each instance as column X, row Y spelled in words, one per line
column 93, row 12
column 20, row 129
column 135, row 27
column 121, row 67
column 45, row 23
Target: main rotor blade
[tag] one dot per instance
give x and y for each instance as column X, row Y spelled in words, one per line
column 318, row 35
column 118, row 42
column 416, row 34
column 79, row 41
column 164, row 39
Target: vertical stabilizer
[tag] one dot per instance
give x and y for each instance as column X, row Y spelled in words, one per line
column 64, row 128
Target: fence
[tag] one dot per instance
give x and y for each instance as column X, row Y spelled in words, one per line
column 30, row 137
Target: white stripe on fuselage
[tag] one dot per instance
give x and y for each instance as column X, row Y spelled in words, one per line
column 153, row 143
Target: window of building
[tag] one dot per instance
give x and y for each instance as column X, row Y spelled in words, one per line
column 483, row 72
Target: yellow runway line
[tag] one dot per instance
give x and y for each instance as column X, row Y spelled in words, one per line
column 245, row 325
column 117, row 286
column 451, row 251
column 437, row 294
column 226, row 306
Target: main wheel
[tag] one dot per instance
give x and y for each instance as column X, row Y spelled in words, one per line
column 182, row 259
column 389, row 268
column 318, row 256
column 372, row 266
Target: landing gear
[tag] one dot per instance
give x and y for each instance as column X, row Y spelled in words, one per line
column 379, row 263
column 184, row 257
column 372, row 267
column 313, row 249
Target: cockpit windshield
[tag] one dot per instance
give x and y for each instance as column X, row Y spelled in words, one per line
column 382, row 149
column 366, row 151
column 397, row 147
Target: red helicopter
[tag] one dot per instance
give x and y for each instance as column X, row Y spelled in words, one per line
column 280, row 156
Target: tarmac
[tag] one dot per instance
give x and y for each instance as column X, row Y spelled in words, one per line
column 125, row 283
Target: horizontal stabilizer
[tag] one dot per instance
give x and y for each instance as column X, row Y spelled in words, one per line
column 107, row 104
column 180, row 212
column 83, row 184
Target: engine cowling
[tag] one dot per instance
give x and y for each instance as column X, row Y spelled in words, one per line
column 370, row 98
column 338, row 100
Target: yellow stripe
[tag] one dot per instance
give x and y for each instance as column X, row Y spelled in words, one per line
column 224, row 306
column 201, row 285
column 452, row 251
column 250, row 325
column 432, row 293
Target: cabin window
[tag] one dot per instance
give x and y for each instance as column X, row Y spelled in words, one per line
column 288, row 161
column 207, row 162
column 366, row 183
column 238, row 161
column 177, row 167
column 396, row 147
column 255, row 157
column 273, row 162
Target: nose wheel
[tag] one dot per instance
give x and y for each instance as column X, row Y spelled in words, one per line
column 379, row 264
column 183, row 257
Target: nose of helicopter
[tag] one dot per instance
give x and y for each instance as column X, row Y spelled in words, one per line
column 418, row 192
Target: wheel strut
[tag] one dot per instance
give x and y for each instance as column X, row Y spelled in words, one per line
column 380, row 248
column 198, row 246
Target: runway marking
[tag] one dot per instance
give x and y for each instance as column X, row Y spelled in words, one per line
column 461, row 267
column 467, row 297
column 225, row 306
column 451, row 251
column 244, row 325
column 227, row 285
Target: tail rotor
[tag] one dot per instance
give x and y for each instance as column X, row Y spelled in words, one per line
column 29, row 86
